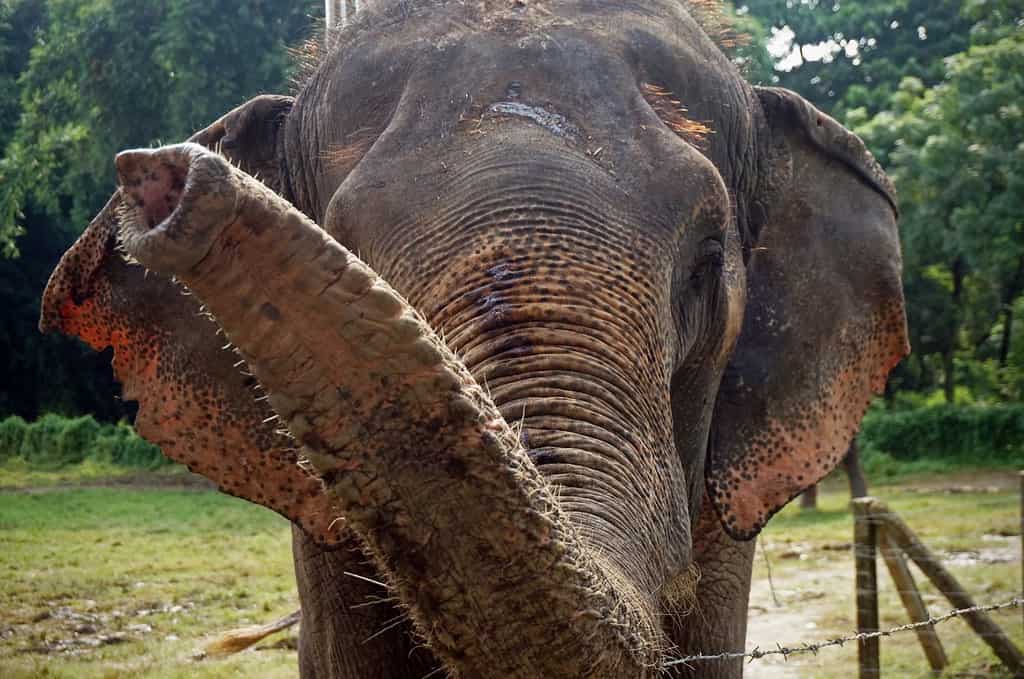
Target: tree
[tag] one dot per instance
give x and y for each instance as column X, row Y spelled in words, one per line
column 747, row 44
column 19, row 22
column 843, row 55
column 83, row 79
column 956, row 155
column 110, row 74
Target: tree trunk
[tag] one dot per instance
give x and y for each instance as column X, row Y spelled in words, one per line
column 854, row 472
column 809, row 498
column 948, row 384
column 959, row 271
column 1004, row 344
column 1010, row 293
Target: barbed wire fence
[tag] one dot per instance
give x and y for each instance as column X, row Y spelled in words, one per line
column 881, row 531
column 814, row 647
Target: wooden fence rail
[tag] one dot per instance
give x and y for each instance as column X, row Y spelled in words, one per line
column 878, row 528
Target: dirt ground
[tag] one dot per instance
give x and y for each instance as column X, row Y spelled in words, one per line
column 803, row 588
column 796, row 611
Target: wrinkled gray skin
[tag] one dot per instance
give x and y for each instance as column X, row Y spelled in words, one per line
column 686, row 320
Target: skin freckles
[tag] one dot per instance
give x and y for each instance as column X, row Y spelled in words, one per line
column 231, row 439
column 96, row 295
column 814, row 440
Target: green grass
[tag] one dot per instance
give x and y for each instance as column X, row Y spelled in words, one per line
column 77, row 563
column 952, row 515
column 162, row 569
column 17, row 472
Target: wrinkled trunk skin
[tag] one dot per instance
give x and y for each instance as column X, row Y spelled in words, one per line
column 202, row 410
column 719, row 621
column 351, row 627
column 423, row 466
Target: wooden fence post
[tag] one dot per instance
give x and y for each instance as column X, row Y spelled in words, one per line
column 980, row 622
column 865, row 536
column 912, row 601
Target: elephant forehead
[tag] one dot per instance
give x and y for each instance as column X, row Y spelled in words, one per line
column 527, row 193
column 597, row 74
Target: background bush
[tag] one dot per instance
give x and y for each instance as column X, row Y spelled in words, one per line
column 12, row 433
column 53, row 442
column 941, row 436
column 970, row 435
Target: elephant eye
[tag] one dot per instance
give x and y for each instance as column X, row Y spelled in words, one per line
column 710, row 258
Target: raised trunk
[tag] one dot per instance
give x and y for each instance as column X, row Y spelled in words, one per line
column 203, row 412
column 194, row 402
column 422, row 464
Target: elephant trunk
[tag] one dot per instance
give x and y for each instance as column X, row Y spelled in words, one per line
column 194, row 402
column 421, row 462
column 528, row 262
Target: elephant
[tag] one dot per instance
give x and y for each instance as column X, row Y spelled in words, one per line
column 586, row 309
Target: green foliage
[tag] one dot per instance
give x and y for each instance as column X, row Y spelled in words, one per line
column 121, row 446
column 55, row 442
column 39, row 445
column 748, row 49
column 955, row 153
column 19, row 21
column 946, row 434
column 111, row 74
column 845, row 55
column 82, row 79
column 12, row 433
column 76, row 439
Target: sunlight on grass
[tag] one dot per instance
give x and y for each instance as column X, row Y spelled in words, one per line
column 16, row 472
column 109, row 582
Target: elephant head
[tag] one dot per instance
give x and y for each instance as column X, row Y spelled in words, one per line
column 600, row 278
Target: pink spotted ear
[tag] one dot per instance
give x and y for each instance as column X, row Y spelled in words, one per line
column 824, row 321
column 195, row 399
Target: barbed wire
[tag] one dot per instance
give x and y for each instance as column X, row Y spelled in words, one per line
column 808, row 647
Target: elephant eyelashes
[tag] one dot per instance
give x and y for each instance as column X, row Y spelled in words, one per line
column 674, row 114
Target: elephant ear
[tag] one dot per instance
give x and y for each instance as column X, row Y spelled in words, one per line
column 195, row 402
column 248, row 136
column 824, row 321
